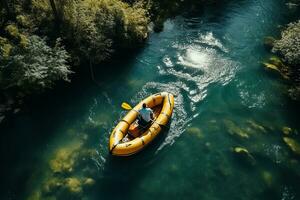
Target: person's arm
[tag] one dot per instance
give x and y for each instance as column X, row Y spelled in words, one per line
column 152, row 115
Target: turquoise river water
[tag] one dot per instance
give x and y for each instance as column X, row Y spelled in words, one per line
column 57, row 148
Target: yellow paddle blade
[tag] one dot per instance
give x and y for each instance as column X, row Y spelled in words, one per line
column 126, row 106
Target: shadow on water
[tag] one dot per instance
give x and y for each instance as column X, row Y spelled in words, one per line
column 25, row 136
column 122, row 175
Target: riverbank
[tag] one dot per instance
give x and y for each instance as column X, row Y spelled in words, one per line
column 285, row 60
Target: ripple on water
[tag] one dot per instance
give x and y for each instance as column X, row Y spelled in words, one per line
column 192, row 69
column 209, row 40
column 180, row 117
column 198, row 66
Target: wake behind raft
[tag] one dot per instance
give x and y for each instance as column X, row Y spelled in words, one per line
column 162, row 105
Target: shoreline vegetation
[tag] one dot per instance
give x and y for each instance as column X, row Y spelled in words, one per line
column 43, row 42
column 285, row 62
column 286, row 55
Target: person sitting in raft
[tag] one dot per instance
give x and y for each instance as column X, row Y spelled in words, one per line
column 145, row 116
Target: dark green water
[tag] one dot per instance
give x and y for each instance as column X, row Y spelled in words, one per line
column 211, row 61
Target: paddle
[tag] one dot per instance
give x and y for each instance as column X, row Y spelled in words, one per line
column 126, row 106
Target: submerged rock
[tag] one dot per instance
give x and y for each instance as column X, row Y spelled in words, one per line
column 241, row 150
column 52, row 185
column 89, row 182
column 195, row 131
column 73, row 185
column 286, row 130
column 268, row 178
column 271, row 66
column 233, row 129
column 65, row 158
column 275, row 64
column 277, row 61
column 256, row 126
column 293, row 145
column 244, row 155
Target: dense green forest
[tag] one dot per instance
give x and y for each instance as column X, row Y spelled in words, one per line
column 41, row 39
column 45, row 41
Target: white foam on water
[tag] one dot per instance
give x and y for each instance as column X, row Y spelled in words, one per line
column 193, row 69
column 180, row 117
column 209, row 39
column 167, row 61
column 251, row 96
column 195, row 57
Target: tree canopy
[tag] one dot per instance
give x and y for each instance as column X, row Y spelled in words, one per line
column 29, row 64
column 289, row 44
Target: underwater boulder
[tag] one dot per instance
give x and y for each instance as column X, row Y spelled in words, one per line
column 277, row 61
column 271, row 66
column 73, row 185
column 89, row 182
column 275, row 64
column 63, row 162
column 286, row 130
column 195, row 131
column 256, row 126
column 52, row 185
column 233, row 129
column 292, row 144
column 244, row 155
column 65, row 158
column 268, row 178
column 275, row 68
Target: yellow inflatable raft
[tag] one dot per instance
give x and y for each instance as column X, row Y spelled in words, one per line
column 162, row 105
